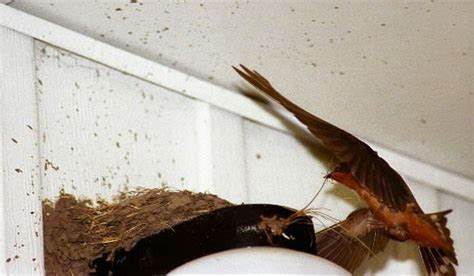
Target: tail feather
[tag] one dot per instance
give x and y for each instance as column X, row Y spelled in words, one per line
column 436, row 260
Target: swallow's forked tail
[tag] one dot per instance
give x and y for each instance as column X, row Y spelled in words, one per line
column 439, row 261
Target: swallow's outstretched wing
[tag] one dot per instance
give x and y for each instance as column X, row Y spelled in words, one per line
column 353, row 240
column 364, row 164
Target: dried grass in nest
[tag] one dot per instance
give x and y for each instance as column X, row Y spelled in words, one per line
column 76, row 232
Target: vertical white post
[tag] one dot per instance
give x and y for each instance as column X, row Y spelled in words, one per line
column 21, row 243
column 204, row 147
column 220, row 153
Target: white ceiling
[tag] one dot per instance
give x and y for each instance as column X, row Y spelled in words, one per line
column 399, row 73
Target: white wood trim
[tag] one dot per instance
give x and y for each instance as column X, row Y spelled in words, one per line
column 3, row 268
column 202, row 90
column 204, row 146
column 21, row 216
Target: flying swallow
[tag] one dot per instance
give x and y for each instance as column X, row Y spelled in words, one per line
column 385, row 192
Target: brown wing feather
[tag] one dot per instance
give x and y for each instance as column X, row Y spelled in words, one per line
column 364, row 163
column 340, row 249
column 438, row 261
column 352, row 241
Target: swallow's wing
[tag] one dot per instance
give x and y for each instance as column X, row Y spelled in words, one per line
column 438, row 262
column 365, row 165
column 351, row 242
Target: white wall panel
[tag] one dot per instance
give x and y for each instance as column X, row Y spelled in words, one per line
column 103, row 131
column 21, row 246
column 204, row 146
column 228, row 158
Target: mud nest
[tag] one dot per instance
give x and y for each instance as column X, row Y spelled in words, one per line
column 77, row 231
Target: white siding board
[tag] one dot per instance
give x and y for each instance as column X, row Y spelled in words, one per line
column 204, row 146
column 106, row 131
column 20, row 216
column 461, row 223
column 228, row 158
